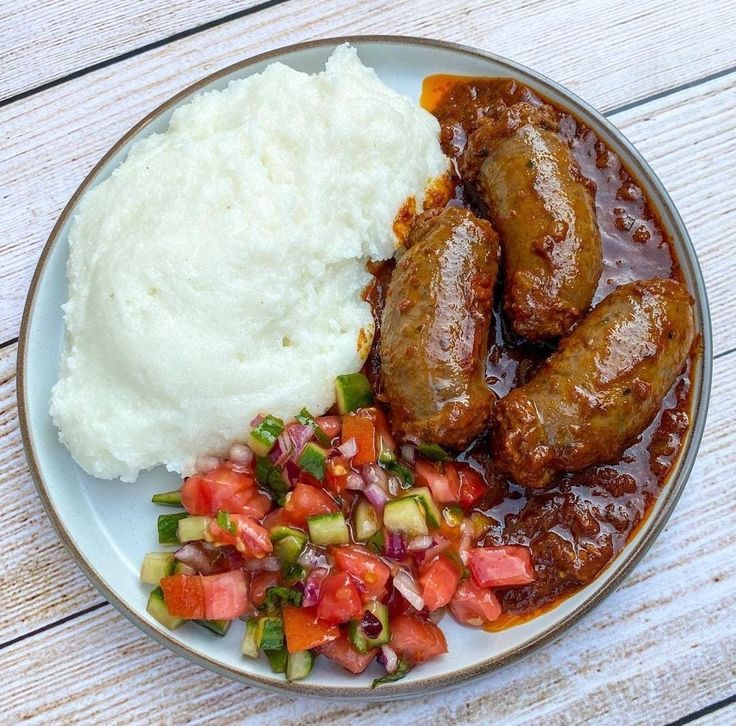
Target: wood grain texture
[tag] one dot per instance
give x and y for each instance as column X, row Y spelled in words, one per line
column 44, row 41
column 659, row 648
column 49, row 141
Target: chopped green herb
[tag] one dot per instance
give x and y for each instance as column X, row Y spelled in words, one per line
column 402, row 669
column 272, row 478
column 278, row 596
column 434, row 452
column 391, row 464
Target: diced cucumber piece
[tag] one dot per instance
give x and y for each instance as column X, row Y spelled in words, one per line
column 156, row 607
column 250, row 643
column 272, row 478
column 168, row 525
column 296, row 573
column 405, row 515
column 193, row 528
column 181, row 568
column 277, row 659
column 219, row 627
column 434, row 516
column 353, row 392
column 390, row 463
column 361, row 642
column 377, row 542
column 168, row 499
column 262, row 438
column 306, row 419
column 434, row 452
column 299, row 665
column 366, row 521
column 270, row 635
column 312, row 460
column 402, row 668
column 278, row 596
column 327, row 529
column 155, row 566
column 288, row 544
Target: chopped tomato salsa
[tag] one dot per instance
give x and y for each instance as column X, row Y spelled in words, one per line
column 335, row 542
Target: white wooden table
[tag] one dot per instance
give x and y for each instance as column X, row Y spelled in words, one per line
column 75, row 74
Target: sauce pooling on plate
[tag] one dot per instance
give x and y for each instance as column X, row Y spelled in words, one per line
column 578, row 525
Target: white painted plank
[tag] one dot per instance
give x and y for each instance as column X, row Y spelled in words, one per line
column 659, row 648
column 45, row 41
column 602, row 50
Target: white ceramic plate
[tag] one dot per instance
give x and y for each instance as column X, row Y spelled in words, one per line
column 109, row 526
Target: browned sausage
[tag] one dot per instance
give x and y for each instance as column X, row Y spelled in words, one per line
column 602, row 386
column 524, row 174
column 434, row 331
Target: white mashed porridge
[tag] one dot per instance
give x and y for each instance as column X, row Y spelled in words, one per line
column 218, row 272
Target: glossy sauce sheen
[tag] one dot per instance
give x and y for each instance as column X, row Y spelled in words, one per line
column 578, row 525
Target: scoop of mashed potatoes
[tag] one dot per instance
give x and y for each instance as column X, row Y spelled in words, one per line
column 218, row 272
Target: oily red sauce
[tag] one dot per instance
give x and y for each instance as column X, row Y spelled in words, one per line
column 578, row 525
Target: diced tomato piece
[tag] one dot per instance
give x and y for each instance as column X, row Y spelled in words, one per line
column 416, row 640
column 444, row 490
column 277, row 518
column 260, row 583
column 250, row 538
column 472, row 486
column 306, row 500
column 371, row 571
column 336, row 474
column 331, row 425
column 342, row 652
column 362, row 429
column 339, row 600
column 504, row 566
column 223, row 489
column 303, row 630
column 439, row 580
column 225, row 595
column 184, row 596
column 384, row 438
column 473, row 605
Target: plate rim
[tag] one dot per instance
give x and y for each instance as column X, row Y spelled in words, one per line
column 625, row 561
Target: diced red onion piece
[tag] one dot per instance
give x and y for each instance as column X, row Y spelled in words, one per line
column 204, row 464
column 300, row 434
column 266, row 564
column 376, row 496
column 394, row 485
column 256, row 420
column 395, row 545
column 441, row 546
column 241, row 454
column 312, row 557
column 195, row 556
column 406, row 585
column 349, row 448
column 282, row 449
column 390, row 659
column 374, row 474
column 422, row 542
column 408, row 453
column 466, row 539
column 355, row 482
column 312, row 587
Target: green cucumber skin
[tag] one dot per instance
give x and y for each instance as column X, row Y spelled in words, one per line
column 405, row 515
column 250, row 643
column 277, row 660
column 361, row 642
column 262, row 438
column 353, row 391
column 306, row 419
column 299, row 665
column 312, row 460
column 218, row 627
column 434, row 452
column 168, row 499
column 168, row 526
column 156, row 607
column 431, row 510
column 271, row 630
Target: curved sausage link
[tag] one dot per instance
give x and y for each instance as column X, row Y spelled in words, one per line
column 434, row 331
column 601, row 388
column 524, row 174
